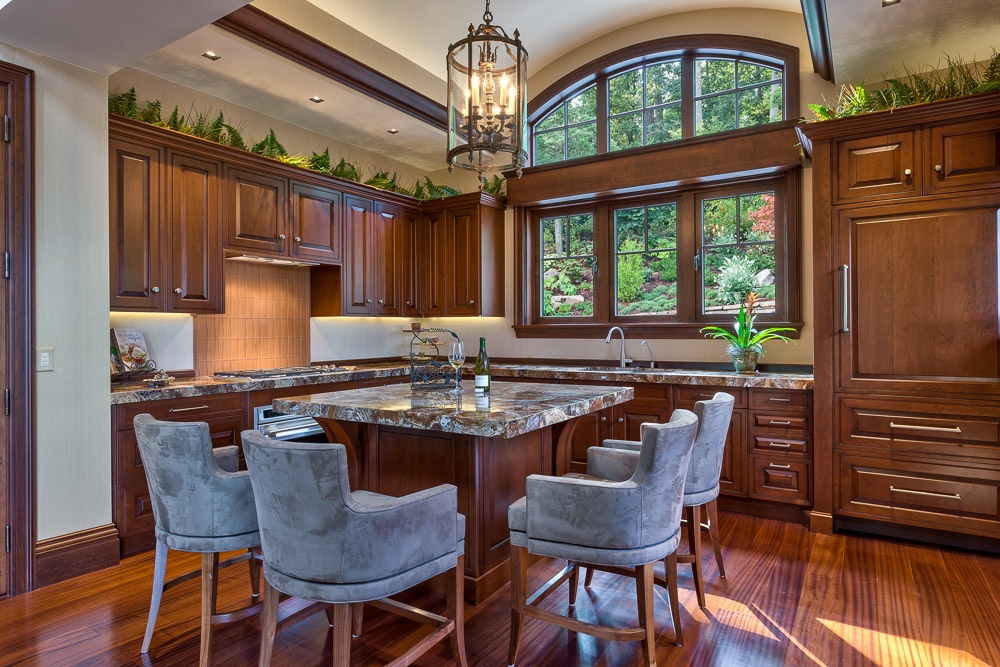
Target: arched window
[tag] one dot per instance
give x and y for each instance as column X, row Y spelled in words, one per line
column 664, row 91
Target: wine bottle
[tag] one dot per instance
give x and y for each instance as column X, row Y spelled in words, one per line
column 482, row 369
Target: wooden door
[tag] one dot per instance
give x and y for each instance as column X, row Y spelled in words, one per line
column 436, row 264
column 411, row 252
column 315, row 223
column 963, row 156
column 388, row 267
column 256, row 219
column 732, row 479
column 7, row 157
column 584, row 432
column 357, row 271
column 195, row 233
column 921, row 296
column 463, row 262
column 631, row 415
column 136, row 173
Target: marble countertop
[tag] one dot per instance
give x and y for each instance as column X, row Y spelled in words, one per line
column 209, row 385
column 204, row 386
column 511, row 408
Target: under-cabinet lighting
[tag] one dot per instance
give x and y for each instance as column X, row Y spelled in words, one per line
column 271, row 260
column 317, row 99
column 392, row 130
column 211, row 55
column 887, row 3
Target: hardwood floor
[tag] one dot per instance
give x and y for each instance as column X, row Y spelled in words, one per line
column 790, row 598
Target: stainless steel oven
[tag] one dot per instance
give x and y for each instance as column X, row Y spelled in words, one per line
column 279, row 426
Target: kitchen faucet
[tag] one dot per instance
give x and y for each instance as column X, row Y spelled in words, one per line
column 652, row 361
column 622, row 360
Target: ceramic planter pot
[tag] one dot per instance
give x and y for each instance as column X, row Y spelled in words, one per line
column 745, row 361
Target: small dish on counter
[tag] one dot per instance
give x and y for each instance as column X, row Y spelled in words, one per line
column 161, row 379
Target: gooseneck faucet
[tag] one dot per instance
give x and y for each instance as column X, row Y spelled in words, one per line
column 652, row 360
column 608, row 341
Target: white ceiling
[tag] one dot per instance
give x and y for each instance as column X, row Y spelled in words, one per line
column 252, row 77
column 422, row 31
column 104, row 35
column 868, row 40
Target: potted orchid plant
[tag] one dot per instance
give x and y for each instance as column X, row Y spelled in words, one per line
column 746, row 344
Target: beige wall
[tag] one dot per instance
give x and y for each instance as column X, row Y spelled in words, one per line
column 71, row 293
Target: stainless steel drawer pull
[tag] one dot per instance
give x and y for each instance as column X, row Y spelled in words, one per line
column 942, row 429
column 844, row 292
column 783, row 445
column 197, row 407
column 777, row 423
column 778, row 465
column 706, row 395
column 783, row 400
column 956, row 496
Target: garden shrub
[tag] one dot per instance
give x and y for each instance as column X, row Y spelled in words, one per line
column 737, row 279
column 631, row 273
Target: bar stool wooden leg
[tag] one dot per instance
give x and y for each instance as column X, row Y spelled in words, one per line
column 713, row 530
column 341, row 635
column 268, row 624
column 254, row 572
column 518, row 597
column 588, row 578
column 329, row 615
column 209, row 588
column 574, row 584
column 357, row 615
column 670, row 565
column 644, row 596
column 456, row 610
column 694, row 544
column 159, row 574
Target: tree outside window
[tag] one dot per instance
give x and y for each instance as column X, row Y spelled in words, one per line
column 567, row 265
column 568, row 131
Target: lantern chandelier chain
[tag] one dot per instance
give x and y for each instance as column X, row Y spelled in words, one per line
column 488, row 67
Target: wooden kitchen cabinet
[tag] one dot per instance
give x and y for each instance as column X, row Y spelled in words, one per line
column 963, row 155
column 358, row 256
column 256, row 215
column 412, row 242
column 316, row 228
column 137, row 221
column 389, row 266
column 195, row 232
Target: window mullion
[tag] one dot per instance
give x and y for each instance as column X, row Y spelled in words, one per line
column 602, row 115
column 687, row 96
column 687, row 282
column 604, row 254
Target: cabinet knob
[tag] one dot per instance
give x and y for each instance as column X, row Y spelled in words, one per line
column 298, row 239
column 938, row 168
column 381, row 301
column 604, row 419
column 177, row 290
column 471, row 301
column 409, row 303
column 908, row 172
column 621, row 419
column 281, row 237
column 368, row 300
column 155, row 290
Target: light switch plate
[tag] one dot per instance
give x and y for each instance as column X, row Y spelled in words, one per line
column 45, row 359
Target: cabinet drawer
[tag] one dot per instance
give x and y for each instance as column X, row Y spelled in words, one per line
column 770, row 445
column 138, row 510
column 784, row 480
column 687, row 395
column 780, row 399
column 224, row 432
column 876, row 166
column 963, row 156
column 771, row 421
column 948, row 497
column 920, row 425
column 181, row 409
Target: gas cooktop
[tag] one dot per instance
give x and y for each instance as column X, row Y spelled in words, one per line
column 278, row 373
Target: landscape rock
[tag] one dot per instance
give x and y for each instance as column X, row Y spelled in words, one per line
column 550, row 273
column 571, row 299
column 765, row 277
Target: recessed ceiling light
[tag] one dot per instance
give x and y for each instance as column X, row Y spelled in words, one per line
column 887, row 3
column 211, row 55
column 392, row 131
column 316, row 98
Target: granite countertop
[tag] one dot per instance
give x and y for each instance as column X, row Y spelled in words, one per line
column 209, row 385
column 204, row 386
column 510, row 409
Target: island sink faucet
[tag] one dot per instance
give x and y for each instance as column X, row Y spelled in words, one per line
column 622, row 359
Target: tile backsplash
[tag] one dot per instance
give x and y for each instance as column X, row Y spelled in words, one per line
column 266, row 323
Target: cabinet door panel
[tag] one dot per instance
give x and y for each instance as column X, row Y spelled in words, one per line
column 877, row 166
column 732, row 479
column 963, row 156
column 463, row 262
column 316, row 228
column 256, row 218
column 922, row 296
column 358, row 255
column 136, row 226
column 631, row 415
column 389, row 265
column 195, row 235
column 588, row 431
column 411, row 250
column 435, row 272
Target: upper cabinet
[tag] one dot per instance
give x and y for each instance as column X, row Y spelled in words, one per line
column 195, row 235
column 256, row 215
column 315, row 223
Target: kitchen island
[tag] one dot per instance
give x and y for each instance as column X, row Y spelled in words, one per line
column 400, row 441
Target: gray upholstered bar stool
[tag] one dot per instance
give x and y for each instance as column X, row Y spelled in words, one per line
column 624, row 526
column 323, row 542
column 201, row 503
column 702, row 486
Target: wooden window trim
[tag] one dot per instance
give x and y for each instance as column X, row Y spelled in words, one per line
column 688, row 321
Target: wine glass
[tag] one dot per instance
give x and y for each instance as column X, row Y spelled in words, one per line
column 456, row 358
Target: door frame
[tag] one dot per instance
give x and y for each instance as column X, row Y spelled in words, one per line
column 20, row 323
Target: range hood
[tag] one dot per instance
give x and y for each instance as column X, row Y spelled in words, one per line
column 257, row 259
